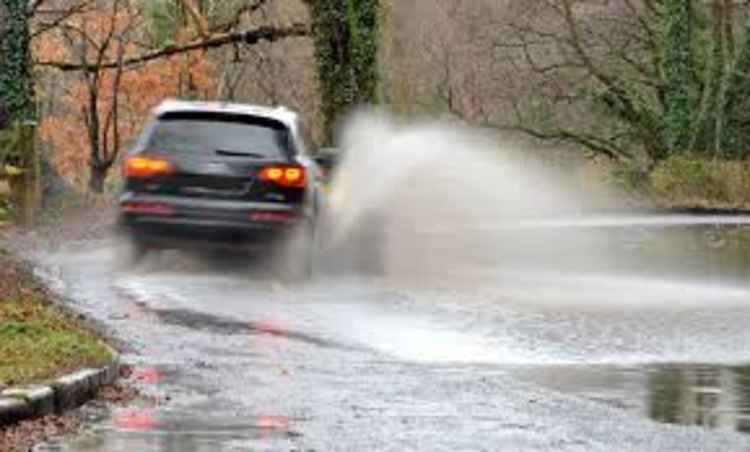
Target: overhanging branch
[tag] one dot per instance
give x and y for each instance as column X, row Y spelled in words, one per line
column 254, row 36
column 590, row 142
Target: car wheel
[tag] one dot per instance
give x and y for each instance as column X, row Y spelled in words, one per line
column 136, row 253
column 298, row 259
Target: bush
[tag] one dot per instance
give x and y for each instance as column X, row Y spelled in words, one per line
column 632, row 178
column 688, row 180
column 5, row 204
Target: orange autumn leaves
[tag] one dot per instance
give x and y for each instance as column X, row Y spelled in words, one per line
column 65, row 129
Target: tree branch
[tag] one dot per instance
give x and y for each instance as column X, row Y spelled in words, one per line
column 264, row 33
column 591, row 142
column 195, row 15
column 62, row 17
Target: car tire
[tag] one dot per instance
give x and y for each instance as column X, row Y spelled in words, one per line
column 299, row 254
column 136, row 253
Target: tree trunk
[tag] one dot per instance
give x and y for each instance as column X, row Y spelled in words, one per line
column 16, row 84
column 96, row 180
column 346, row 47
column 678, row 73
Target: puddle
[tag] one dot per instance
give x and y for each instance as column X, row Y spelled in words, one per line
column 708, row 396
column 673, row 294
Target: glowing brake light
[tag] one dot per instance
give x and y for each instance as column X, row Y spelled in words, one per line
column 143, row 167
column 286, row 176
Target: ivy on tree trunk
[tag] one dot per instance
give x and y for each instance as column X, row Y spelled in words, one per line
column 736, row 137
column 346, row 45
column 16, row 84
column 678, row 74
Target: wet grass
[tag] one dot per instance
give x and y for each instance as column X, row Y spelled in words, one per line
column 37, row 340
column 686, row 181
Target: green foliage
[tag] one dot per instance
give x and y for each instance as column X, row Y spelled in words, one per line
column 346, row 34
column 6, row 208
column 163, row 21
column 164, row 18
column 13, row 144
column 40, row 347
column 629, row 177
column 703, row 96
column 715, row 124
column 689, row 179
column 37, row 340
column 678, row 68
column 735, row 104
column 638, row 116
column 16, row 85
column 362, row 18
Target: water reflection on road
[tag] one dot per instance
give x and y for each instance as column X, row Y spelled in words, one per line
column 707, row 396
column 714, row 397
column 709, row 252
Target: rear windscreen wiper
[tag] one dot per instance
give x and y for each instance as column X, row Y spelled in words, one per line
column 226, row 153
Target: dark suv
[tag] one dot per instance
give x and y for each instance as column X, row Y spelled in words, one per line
column 223, row 175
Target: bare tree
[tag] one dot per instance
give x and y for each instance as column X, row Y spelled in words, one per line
column 101, row 55
column 92, row 50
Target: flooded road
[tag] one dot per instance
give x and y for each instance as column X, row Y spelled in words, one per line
column 644, row 351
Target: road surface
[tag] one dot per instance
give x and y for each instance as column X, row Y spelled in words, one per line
column 627, row 358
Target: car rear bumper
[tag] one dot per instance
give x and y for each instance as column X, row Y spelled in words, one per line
column 170, row 222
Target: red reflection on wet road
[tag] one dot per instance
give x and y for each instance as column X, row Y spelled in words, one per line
column 271, row 327
column 269, row 425
column 136, row 420
column 148, row 375
column 273, row 425
column 276, row 328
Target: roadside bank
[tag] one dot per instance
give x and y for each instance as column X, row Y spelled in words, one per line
column 50, row 362
column 38, row 341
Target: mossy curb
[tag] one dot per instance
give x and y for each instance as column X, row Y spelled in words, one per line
column 63, row 394
column 44, row 397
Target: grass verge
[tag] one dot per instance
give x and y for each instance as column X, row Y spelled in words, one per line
column 38, row 341
column 688, row 181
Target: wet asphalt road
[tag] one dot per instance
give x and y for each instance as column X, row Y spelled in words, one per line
column 351, row 363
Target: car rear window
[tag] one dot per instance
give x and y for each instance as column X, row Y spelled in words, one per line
column 238, row 135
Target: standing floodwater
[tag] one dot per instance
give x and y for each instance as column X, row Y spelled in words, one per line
column 521, row 363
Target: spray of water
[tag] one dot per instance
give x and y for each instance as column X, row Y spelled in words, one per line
column 427, row 190
column 445, row 205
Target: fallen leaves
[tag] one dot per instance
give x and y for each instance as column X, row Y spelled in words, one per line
column 118, row 394
column 22, row 436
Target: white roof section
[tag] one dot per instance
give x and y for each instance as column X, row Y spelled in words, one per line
column 281, row 114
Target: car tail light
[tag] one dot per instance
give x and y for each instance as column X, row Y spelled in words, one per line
column 285, row 176
column 147, row 208
column 145, row 167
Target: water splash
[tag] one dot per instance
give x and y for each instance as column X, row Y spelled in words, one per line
column 445, row 205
